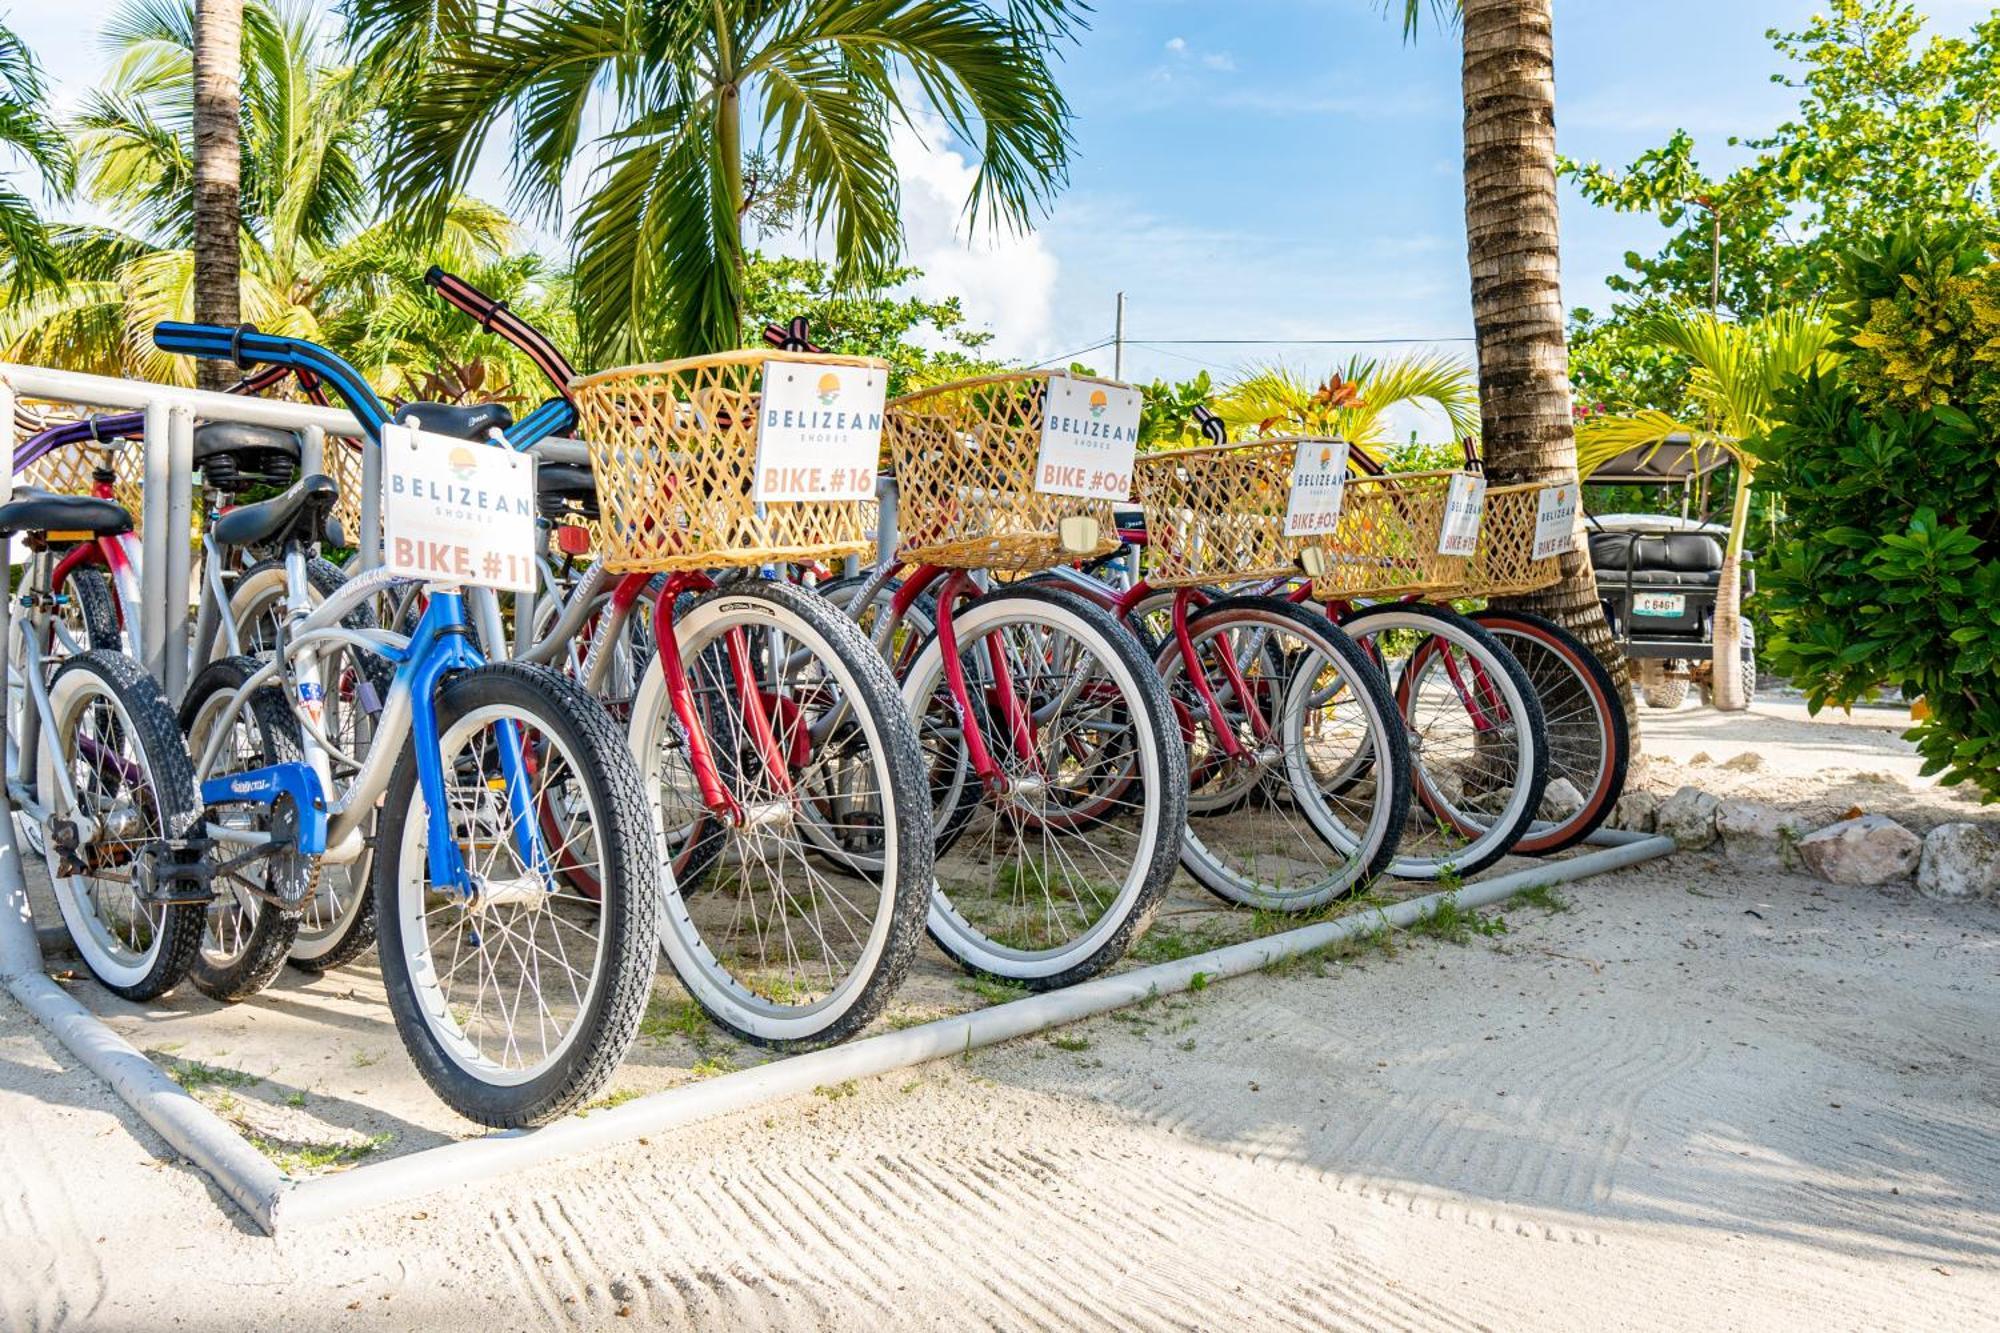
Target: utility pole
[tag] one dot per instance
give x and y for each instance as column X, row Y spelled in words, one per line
column 1118, row 342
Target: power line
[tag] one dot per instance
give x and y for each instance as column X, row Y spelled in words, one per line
column 1071, row 356
column 1293, row 342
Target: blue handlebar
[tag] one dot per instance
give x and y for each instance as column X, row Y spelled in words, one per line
column 247, row 347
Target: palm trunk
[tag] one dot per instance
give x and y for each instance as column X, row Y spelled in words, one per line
column 1513, row 245
column 1727, row 687
column 218, row 76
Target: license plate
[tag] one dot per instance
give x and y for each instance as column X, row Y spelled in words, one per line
column 1659, row 604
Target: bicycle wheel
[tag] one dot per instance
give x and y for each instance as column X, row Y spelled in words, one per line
column 1590, row 744
column 86, row 617
column 815, row 901
column 337, row 919
column 116, row 736
column 518, row 1002
column 255, row 915
column 1070, row 849
column 1300, row 699
column 1479, row 755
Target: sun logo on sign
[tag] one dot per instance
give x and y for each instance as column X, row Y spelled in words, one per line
column 829, row 388
column 1325, row 454
column 1098, row 402
column 463, row 463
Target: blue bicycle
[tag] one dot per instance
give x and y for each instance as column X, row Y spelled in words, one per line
column 504, row 789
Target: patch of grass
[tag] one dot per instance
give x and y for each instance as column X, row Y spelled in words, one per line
column 833, row 1092
column 362, row 1059
column 666, row 1018
column 991, row 990
column 1198, row 982
column 710, row 1066
column 1545, row 896
column 194, row 1075
column 298, row 1158
column 616, row 1097
column 1456, row 925
column 1168, row 943
column 1379, row 939
column 296, row 1098
column 1187, row 1045
column 1070, row 1041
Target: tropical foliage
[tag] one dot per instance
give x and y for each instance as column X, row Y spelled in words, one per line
column 707, row 112
column 27, row 133
column 1354, row 400
column 314, row 263
column 1886, row 568
column 924, row 341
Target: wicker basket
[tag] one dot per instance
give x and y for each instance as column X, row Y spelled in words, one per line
column 674, row 449
column 1387, row 542
column 1216, row 514
column 965, row 456
column 1504, row 564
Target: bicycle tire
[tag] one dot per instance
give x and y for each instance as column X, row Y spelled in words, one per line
column 1527, row 776
column 236, row 973
column 1143, row 697
column 1590, row 742
column 1368, row 849
column 627, row 912
column 176, row 929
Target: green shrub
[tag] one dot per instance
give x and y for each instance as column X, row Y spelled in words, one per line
column 1886, row 567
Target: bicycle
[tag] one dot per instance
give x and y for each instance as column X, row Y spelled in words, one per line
column 1058, row 797
column 99, row 766
column 466, row 873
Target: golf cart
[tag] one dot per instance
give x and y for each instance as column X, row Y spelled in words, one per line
column 1660, row 575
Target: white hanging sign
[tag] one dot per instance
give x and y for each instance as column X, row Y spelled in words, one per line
column 1464, row 511
column 1319, row 485
column 1090, row 434
column 819, row 432
column 1555, row 521
column 457, row 511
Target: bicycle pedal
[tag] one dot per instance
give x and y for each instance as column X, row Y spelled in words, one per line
column 173, row 872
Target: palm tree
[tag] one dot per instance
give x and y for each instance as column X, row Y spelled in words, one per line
column 1507, row 82
column 217, row 68
column 1353, row 402
column 1737, row 372
column 307, row 247
column 713, row 112
column 28, row 133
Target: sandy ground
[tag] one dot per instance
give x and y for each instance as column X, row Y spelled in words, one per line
column 1694, row 1098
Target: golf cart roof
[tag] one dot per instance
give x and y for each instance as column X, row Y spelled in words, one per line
column 1669, row 462
column 1654, row 523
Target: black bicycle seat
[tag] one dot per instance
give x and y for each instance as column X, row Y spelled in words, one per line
column 41, row 511
column 303, row 507
column 465, row 421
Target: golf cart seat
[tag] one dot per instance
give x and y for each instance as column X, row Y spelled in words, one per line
column 1671, row 559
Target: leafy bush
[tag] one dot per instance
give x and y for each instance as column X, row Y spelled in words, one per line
column 1886, row 568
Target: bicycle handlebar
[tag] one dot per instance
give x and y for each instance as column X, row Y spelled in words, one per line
column 247, row 347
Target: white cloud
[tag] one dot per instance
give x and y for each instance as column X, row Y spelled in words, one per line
column 1007, row 281
column 1178, row 45
column 1220, row 60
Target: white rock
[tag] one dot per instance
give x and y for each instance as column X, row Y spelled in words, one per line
column 1560, row 800
column 1637, row 810
column 1960, row 861
column 1870, row 849
column 1759, row 836
column 1688, row 817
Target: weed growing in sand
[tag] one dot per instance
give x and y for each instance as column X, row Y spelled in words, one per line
column 1198, row 982
column 297, row 1097
column 363, row 1059
column 616, row 1097
column 992, row 990
column 1456, row 925
column 833, row 1092
column 1546, row 897
column 194, row 1075
column 712, row 1066
column 1070, row 1041
column 1168, row 943
column 301, row 1158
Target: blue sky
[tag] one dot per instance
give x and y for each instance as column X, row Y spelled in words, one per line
column 1278, row 168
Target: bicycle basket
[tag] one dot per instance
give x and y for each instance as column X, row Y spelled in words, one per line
column 965, row 456
column 1504, row 561
column 1386, row 542
column 1216, row 514
column 674, row 449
